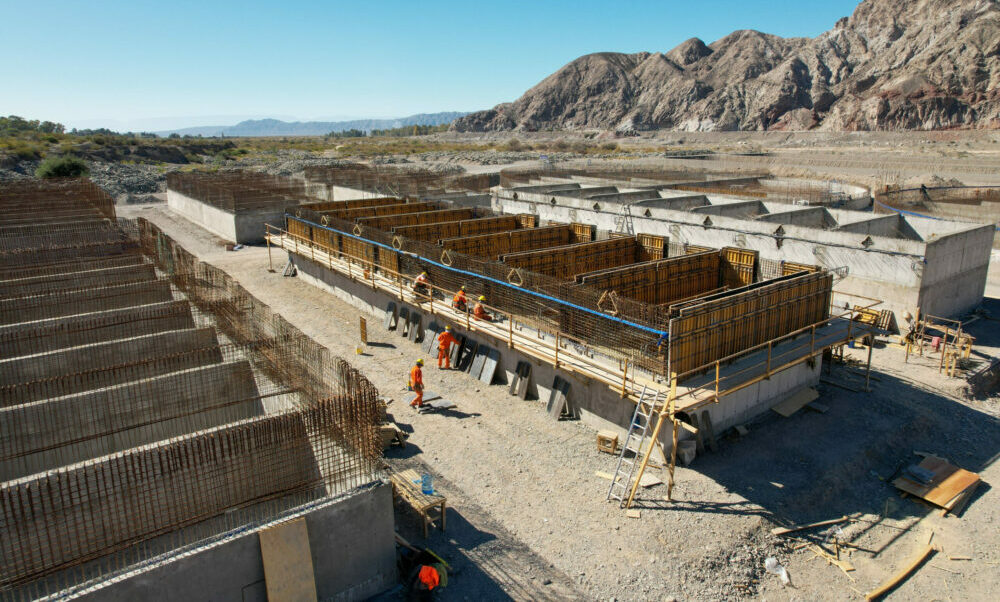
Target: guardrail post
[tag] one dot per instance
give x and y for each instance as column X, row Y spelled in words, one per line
column 267, row 237
column 812, row 341
column 769, row 359
column 557, row 349
column 625, row 378
column 716, row 382
column 510, row 330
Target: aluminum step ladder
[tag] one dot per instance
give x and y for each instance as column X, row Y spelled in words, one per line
column 647, row 406
column 623, row 221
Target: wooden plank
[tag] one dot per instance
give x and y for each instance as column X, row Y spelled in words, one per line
column 404, row 320
column 947, row 483
column 822, row 523
column 896, row 579
column 415, row 330
column 476, row 367
column 287, row 559
column 456, row 350
column 490, row 366
column 468, row 354
column 796, row 402
column 524, row 382
column 430, row 338
column 390, row 316
column 519, row 372
column 558, row 404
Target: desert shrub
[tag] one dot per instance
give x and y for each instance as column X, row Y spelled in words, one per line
column 62, row 167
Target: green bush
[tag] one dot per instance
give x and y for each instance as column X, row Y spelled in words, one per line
column 62, row 167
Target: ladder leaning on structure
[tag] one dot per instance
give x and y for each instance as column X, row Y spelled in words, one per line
column 623, row 221
column 622, row 482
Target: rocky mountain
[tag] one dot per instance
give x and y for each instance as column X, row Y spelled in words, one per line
column 276, row 127
column 892, row 65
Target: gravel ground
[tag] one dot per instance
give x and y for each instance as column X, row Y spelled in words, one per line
column 527, row 516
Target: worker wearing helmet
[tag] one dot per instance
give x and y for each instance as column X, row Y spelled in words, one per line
column 422, row 284
column 417, row 384
column 445, row 341
column 459, row 301
column 479, row 311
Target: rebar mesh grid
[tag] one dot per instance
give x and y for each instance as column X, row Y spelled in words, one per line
column 44, row 200
column 396, row 181
column 239, row 191
column 90, row 517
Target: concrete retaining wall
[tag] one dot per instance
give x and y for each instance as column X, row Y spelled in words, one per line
column 244, row 227
column 48, row 434
column 353, row 555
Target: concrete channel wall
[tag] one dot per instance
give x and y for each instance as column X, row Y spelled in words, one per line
column 243, row 227
column 351, row 539
column 887, row 268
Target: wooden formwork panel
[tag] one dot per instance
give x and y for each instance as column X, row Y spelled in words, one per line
column 739, row 266
column 706, row 332
column 653, row 247
column 583, row 232
column 397, row 209
column 492, row 246
column 692, row 249
column 470, row 227
column 527, row 220
column 352, row 204
column 387, row 260
column 660, row 282
column 358, row 251
column 387, row 222
column 299, row 228
column 570, row 260
column 788, row 267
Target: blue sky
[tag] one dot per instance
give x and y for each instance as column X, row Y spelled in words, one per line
column 142, row 64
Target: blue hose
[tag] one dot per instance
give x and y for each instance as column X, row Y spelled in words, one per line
column 659, row 333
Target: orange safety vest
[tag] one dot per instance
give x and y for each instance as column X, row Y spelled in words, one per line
column 459, row 298
column 445, row 340
column 479, row 311
column 416, row 376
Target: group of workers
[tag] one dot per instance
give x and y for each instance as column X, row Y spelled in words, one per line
column 422, row 286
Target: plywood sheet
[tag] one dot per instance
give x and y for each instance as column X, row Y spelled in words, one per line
column 430, row 338
column 944, row 488
column 490, row 365
column 414, row 331
column 390, row 316
column 288, row 566
column 476, row 368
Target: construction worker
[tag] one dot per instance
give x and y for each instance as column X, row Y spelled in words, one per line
column 422, row 284
column 479, row 312
column 417, row 384
column 445, row 341
column 459, row 301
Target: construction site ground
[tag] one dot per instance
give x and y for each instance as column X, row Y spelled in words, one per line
column 527, row 516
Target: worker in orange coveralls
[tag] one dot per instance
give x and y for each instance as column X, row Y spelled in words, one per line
column 459, row 301
column 445, row 341
column 417, row 384
column 479, row 312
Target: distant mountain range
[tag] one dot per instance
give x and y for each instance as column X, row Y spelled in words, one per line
column 276, row 127
column 892, row 65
